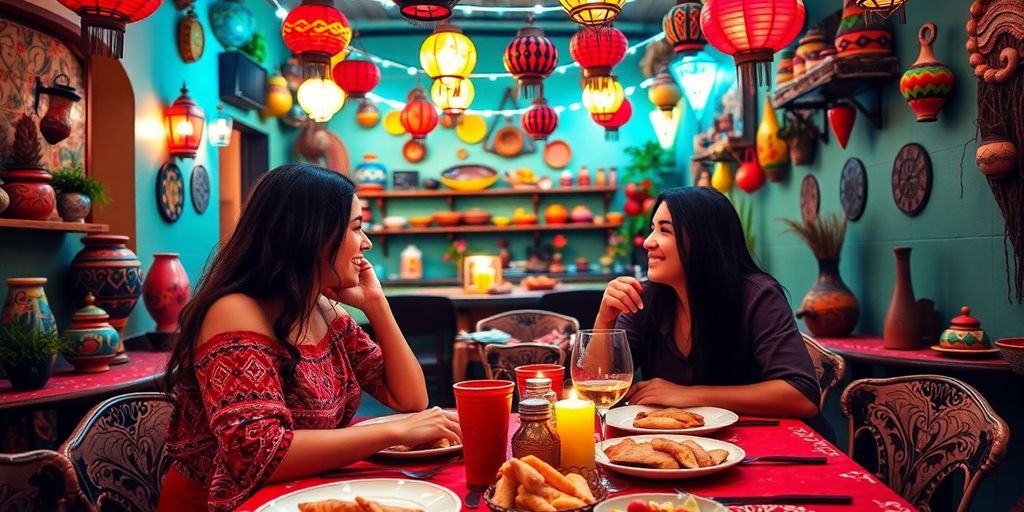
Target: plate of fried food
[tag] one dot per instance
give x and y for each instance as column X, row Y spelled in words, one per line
column 644, row 419
column 371, row 495
column 665, row 457
column 532, row 485
column 660, row 502
column 434, row 448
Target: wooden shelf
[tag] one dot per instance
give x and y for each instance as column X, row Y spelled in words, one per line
column 731, row 150
column 840, row 78
column 388, row 194
column 536, row 229
column 49, row 225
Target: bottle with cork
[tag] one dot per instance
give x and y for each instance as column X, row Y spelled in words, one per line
column 583, row 177
column 540, row 387
column 599, row 178
column 613, row 177
column 536, row 436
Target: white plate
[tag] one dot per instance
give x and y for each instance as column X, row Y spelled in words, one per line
column 388, row 491
column 736, row 454
column 714, row 419
column 622, row 502
column 413, row 454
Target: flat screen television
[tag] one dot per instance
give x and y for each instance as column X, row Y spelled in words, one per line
column 243, row 82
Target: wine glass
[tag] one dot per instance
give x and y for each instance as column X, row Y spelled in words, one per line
column 602, row 371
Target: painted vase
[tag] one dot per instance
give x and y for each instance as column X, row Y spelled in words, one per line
column 830, row 309
column 784, row 72
column 928, row 83
column 94, row 341
column 772, row 152
column 31, row 196
column 371, row 174
column 964, row 333
column 112, row 272
column 996, row 156
column 73, row 207
column 722, row 179
column 232, row 23
column 856, row 36
column 165, row 291
column 902, row 330
column 26, row 304
column 841, row 118
column 810, row 47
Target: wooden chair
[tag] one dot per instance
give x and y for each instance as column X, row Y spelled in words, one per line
column 433, row 317
column 118, row 451
column 39, row 481
column 529, row 324
column 500, row 361
column 828, row 366
column 579, row 304
column 924, row 428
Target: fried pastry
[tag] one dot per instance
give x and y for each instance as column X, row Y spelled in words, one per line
column 682, row 453
column 640, row 455
column 718, row 456
column 360, row 505
column 439, row 443
column 703, row 459
column 668, row 419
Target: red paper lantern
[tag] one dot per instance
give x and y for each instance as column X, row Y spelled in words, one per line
column 419, row 117
column 598, row 51
column 356, row 77
column 531, row 58
column 682, row 27
column 184, row 121
column 316, row 31
column 103, row 22
column 752, row 31
column 618, row 119
column 426, row 12
column 540, row 120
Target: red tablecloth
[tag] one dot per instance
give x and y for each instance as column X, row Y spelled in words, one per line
column 841, row 475
column 869, row 349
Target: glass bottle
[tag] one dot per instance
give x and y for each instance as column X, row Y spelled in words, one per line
column 540, row 387
column 536, row 436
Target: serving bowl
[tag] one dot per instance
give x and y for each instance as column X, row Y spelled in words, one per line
column 476, row 217
column 1012, row 350
column 469, row 178
column 420, row 222
column 447, row 219
column 394, row 222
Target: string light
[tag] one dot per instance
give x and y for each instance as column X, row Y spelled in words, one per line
column 538, row 8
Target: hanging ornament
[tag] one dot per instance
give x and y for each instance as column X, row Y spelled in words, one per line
column 103, row 22
column 697, row 77
column 448, row 55
column 279, row 98
column 530, row 58
column 598, row 51
column 356, row 77
column 857, row 36
column 885, row 8
column 453, row 102
column 316, row 31
column 603, row 99
column 540, row 120
column 616, row 121
column 593, row 13
column 721, row 179
column 320, row 98
column 419, row 116
column 682, row 27
column 425, row 12
column 184, row 122
column 927, row 83
column 772, row 151
column 664, row 93
column 367, row 115
column 666, row 129
column 750, row 176
column 752, row 31
column 841, row 118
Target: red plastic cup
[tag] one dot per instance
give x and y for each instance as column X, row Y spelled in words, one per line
column 484, row 407
column 555, row 372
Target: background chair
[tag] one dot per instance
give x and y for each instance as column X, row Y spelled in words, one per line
column 500, row 361
column 39, row 481
column 432, row 317
column 530, row 324
column 828, row 366
column 963, row 433
column 579, row 304
column 118, row 451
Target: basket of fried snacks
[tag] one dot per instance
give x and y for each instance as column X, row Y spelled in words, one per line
column 532, row 485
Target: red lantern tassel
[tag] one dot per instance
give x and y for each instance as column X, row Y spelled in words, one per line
column 102, row 37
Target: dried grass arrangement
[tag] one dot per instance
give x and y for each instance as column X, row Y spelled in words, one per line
column 823, row 234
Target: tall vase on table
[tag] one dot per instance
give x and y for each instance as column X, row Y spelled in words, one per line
column 108, row 269
column 902, row 322
column 165, row 292
column 26, row 305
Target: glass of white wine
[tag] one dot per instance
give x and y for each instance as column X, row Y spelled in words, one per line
column 602, row 371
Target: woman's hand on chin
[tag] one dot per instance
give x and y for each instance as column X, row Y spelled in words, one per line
column 661, row 392
column 367, row 293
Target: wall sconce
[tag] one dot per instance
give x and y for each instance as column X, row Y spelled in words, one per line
column 220, row 128
column 481, row 273
column 184, row 122
column 56, row 124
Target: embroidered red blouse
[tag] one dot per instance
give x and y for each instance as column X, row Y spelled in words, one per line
column 231, row 432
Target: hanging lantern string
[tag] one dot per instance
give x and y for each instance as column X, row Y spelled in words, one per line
column 538, row 8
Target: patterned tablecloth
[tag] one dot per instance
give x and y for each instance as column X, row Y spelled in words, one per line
column 860, row 348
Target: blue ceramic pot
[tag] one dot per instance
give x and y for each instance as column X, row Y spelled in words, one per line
column 371, row 174
column 94, row 340
column 232, row 23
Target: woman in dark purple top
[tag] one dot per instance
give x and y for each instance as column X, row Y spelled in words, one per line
column 710, row 328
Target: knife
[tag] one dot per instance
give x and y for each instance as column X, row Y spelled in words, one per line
column 786, row 499
column 756, row 423
column 785, row 459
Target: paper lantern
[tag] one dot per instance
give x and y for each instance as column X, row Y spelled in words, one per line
column 103, row 22
column 664, row 93
column 752, row 31
column 184, row 122
column 320, row 98
column 316, row 31
column 530, row 58
column 419, row 116
column 885, row 8
column 697, row 77
column 619, row 118
column 593, row 13
column 356, row 77
column 367, row 115
column 220, row 128
column 598, row 51
column 425, row 12
column 682, row 27
column 540, row 120
column 448, row 55
column 603, row 99
column 453, row 102
column 666, row 128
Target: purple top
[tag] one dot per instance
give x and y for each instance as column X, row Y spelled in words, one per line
column 768, row 326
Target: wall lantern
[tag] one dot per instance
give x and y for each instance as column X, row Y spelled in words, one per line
column 220, row 128
column 320, row 98
column 481, row 273
column 697, row 76
column 184, row 122
column 56, row 124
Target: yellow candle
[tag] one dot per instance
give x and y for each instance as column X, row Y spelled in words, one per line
column 575, row 424
column 483, row 278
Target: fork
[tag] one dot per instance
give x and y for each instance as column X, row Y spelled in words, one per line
column 415, row 474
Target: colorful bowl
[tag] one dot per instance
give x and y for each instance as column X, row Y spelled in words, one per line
column 420, row 222
column 525, row 220
column 394, row 222
column 469, row 177
column 501, row 221
column 614, row 217
column 1012, row 350
column 447, row 219
column 476, row 217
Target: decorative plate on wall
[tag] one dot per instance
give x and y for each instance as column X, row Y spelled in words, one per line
column 170, row 192
column 853, row 188
column 810, row 198
column 191, row 39
column 911, row 179
column 200, row 189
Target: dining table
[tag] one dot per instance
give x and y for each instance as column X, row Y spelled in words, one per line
column 840, row 475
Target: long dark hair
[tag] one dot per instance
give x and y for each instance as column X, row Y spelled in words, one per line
column 295, row 215
column 715, row 260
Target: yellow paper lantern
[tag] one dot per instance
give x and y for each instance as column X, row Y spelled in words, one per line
column 603, row 98
column 448, row 56
column 279, row 98
column 453, row 102
column 593, row 13
column 320, row 98
column 772, row 151
column 367, row 115
column 665, row 94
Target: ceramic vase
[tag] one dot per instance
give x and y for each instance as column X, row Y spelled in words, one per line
column 841, row 118
column 165, row 292
column 772, row 152
column 31, row 196
column 232, row 23
column 802, row 148
column 964, row 333
column 830, row 309
column 73, row 207
column 31, row 375
column 371, row 174
column 856, row 36
column 26, row 304
column 902, row 329
column 111, row 272
column 927, row 83
column 784, row 72
column 996, row 156
column 810, row 47
column 94, row 341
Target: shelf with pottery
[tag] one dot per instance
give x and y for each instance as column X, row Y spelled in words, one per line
column 383, row 233
column 49, row 225
column 726, row 150
column 382, row 196
column 840, row 78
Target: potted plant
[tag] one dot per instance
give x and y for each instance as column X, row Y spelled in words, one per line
column 641, row 186
column 24, row 178
column 800, row 134
column 829, row 309
column 77, row 192
column 27, row 355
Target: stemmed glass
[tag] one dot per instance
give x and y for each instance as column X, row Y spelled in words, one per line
column 602, row 371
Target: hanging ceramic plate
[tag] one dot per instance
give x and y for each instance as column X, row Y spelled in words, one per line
column 170, row 192
column 393, row 123
column 191, row 40
column 509, row 142
column 414, row 151
column 557, row 154
column 200, row 189
column 471, row 129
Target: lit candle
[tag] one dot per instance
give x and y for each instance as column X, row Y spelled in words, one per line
column 575, row 422
column 483, row 278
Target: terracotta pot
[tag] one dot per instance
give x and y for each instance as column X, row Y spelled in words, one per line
column 26, row 304
column 30, row 376
column 830, row 309
column 996, row 156
column 32, row 197
column 927, row 83
column 73, row 207
column 856, row 36
column 165, row 291
column 94, row 340
column 112, row 272
column 802, row 149
column 902, row 322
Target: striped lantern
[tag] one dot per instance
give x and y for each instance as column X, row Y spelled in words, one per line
column 531, row 58
column 426, row 12
column 682, row 27
column 103, row 22
column 540, row 120
column 598, row 51
column 356, row 77
column 419, row 117
column 316, row 31
column 616, row 121
column 885, row 8
column 752, row 31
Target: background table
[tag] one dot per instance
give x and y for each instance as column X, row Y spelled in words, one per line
column 860, row 348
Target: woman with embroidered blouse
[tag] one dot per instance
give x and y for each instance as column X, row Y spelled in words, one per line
column 268, row 367
column 710, row 328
